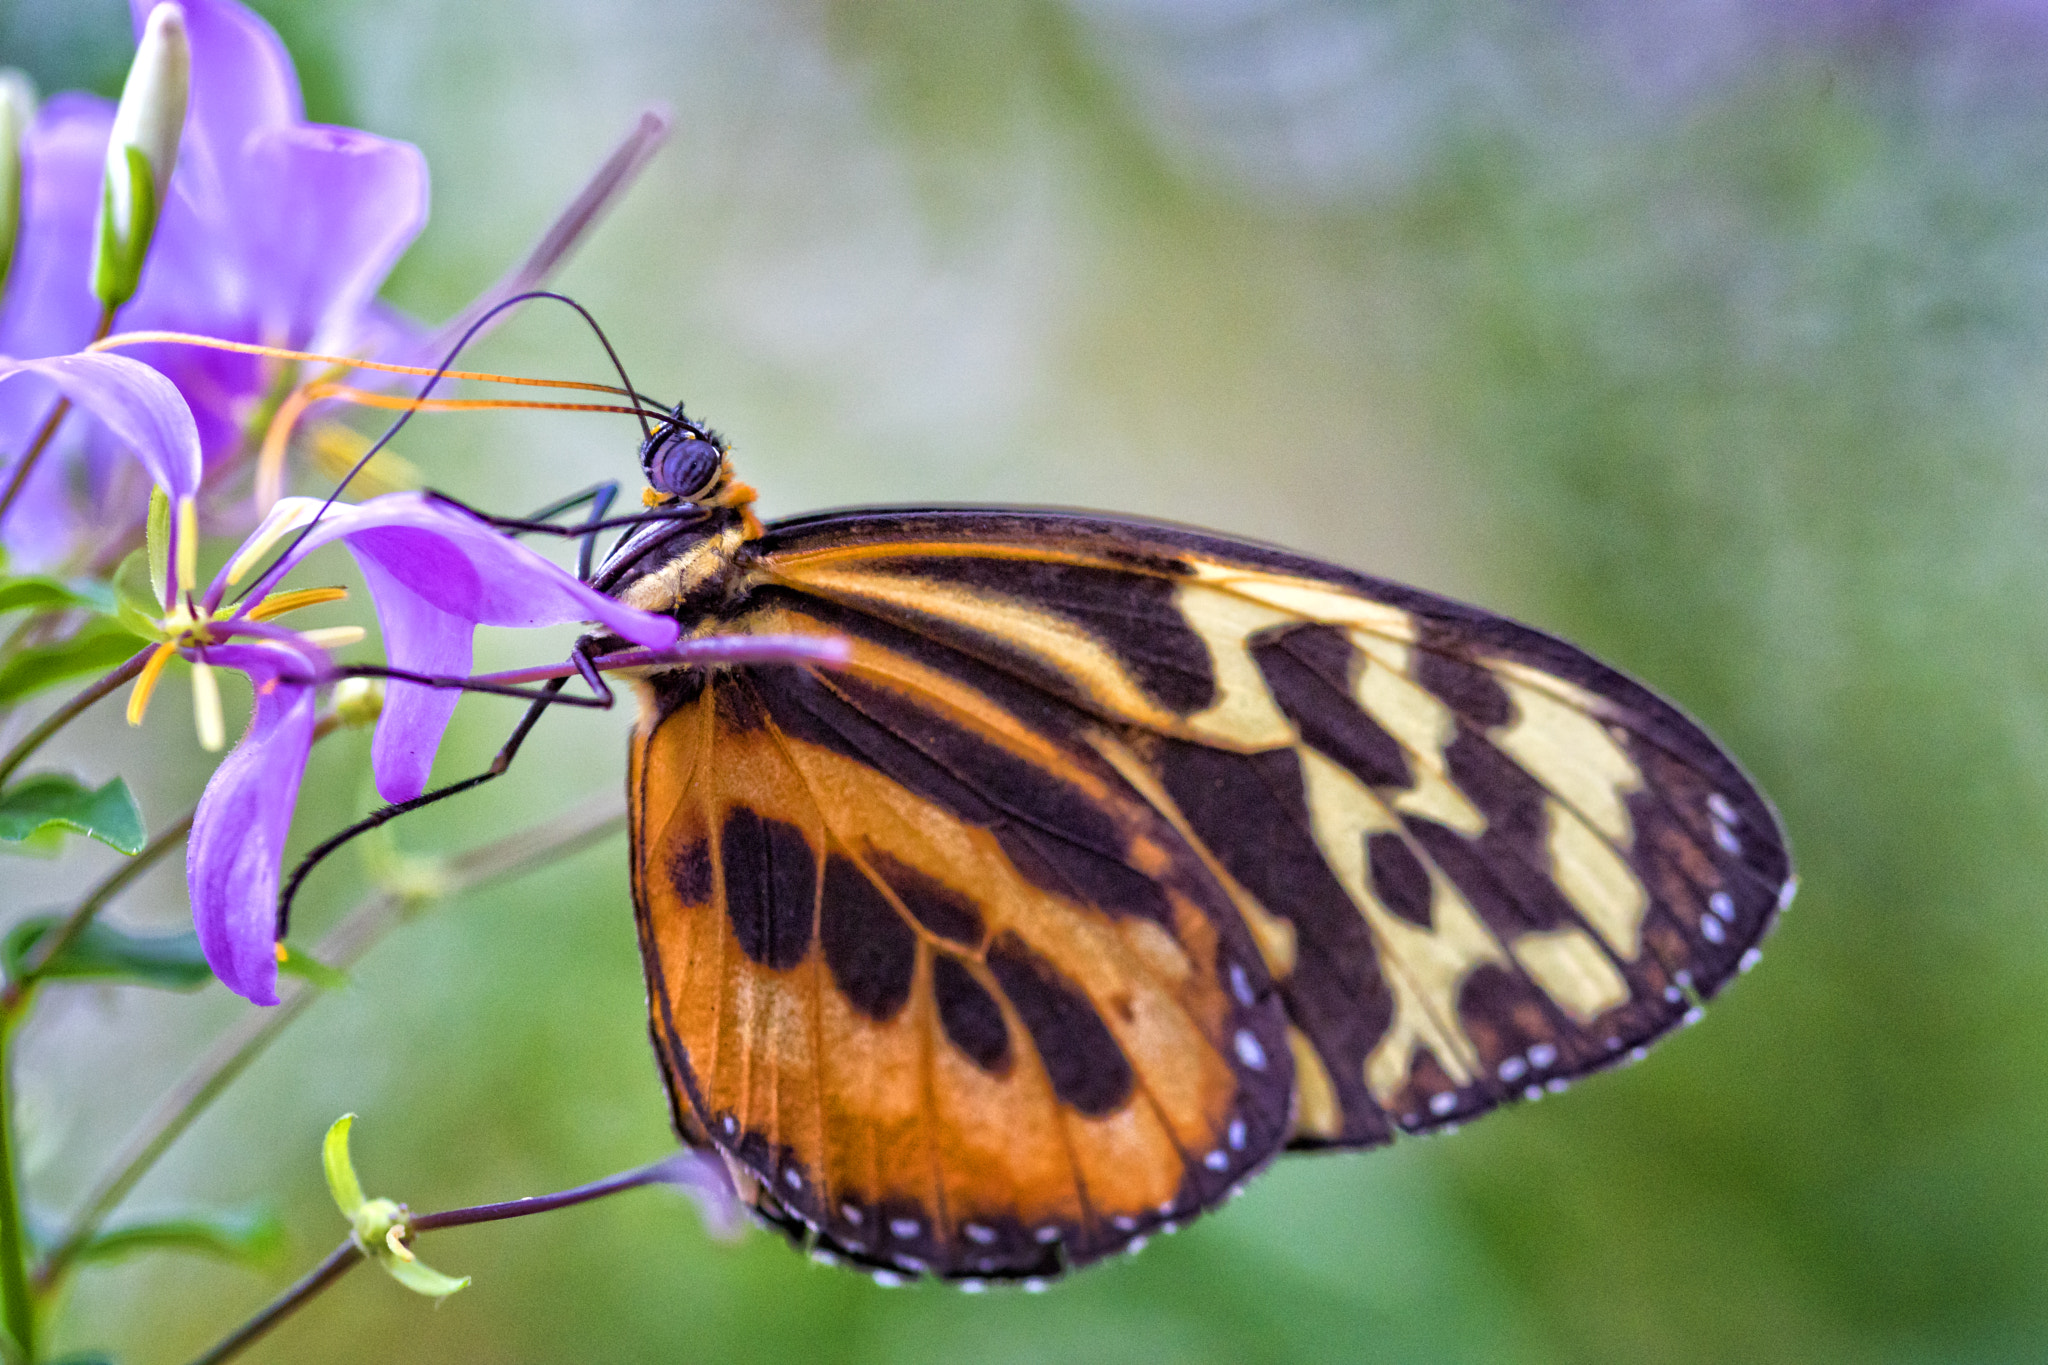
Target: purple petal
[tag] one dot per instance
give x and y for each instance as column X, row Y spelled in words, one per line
column 48, row 307
column 238, row 832
column 143, row 409
column 410, row 727
column 340, row 208
column 436, row 573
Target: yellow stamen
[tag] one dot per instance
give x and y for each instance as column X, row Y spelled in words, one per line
column 397, row 1245
column 284, row 518
column 337, row 449
column 282, row 955
column 206, row 708
column 145, row 682
column 188, row 543
column 334, row 637
column 278, row 603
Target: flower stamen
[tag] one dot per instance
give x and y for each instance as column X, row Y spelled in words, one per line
column 278, row 603
column 206, row 711
column 145, row 683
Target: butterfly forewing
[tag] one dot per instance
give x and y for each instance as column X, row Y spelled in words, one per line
column 1120, row 855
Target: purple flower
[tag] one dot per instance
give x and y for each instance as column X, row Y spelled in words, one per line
column 275, row 231
column 436, row 573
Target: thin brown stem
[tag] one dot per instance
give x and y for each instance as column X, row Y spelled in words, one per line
column 348, row 1253
column 342, row 947
column 339, row 1262
column 19, row 480
column 68, row 712
column 46, row 433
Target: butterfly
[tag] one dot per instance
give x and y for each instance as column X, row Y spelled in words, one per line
column 1118, row 858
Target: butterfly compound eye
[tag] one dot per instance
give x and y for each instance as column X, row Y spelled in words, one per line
column 677, row 460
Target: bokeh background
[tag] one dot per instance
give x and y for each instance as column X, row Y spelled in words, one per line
column 1710, row 333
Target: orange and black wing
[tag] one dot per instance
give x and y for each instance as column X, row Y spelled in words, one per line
column 1121, row 856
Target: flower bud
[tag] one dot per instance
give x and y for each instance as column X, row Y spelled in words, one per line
column 358, row 702
column 17, row 109
column 140, row 154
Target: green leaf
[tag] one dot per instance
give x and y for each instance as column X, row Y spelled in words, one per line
column 246, row 1235
column 38, row 592
column 99, row 645
column 108, row 814
column 102, row 952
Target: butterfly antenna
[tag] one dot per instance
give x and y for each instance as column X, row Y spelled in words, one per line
column 440, row 371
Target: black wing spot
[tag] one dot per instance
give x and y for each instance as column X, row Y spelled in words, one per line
column 1308, row 671
column 932, row 903
column 689, row 871
column 871, row 951
column 771, row 887
column 970, row 1015
column 1398, row 877
column 1089, row 1071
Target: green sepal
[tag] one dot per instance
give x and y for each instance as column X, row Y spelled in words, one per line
column 38, row 592
column 340, row 1168
column 108, row 814
column 97, row 646
column 251, row 1236
column 378, row 1225
column 117, row 260
column 101, row 952
column 157, row 540
column 134, row 604
column 298, row 962
column 422, row 1278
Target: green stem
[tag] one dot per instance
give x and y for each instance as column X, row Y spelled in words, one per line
column 339, row 1262
column 17, row 1307
column 342, row 947
column 68, row 712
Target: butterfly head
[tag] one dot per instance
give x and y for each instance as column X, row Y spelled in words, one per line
column 683, row 460
column 686, row 461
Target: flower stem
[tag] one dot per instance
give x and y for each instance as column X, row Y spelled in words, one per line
column 51, row 944
column 48, row 431
column 35, row 453
column 339, row 1262
column 348, row 1253
column 659, row 1172
column 68, row 712
column 341, row 948
column 17, row 1306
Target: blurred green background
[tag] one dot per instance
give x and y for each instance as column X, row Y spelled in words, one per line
column 1710, row 334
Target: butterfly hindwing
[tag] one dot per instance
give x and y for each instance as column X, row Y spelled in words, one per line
column 1121, row 855
column 884, row 973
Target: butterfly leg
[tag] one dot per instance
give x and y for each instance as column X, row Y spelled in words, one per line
column 546, row 696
